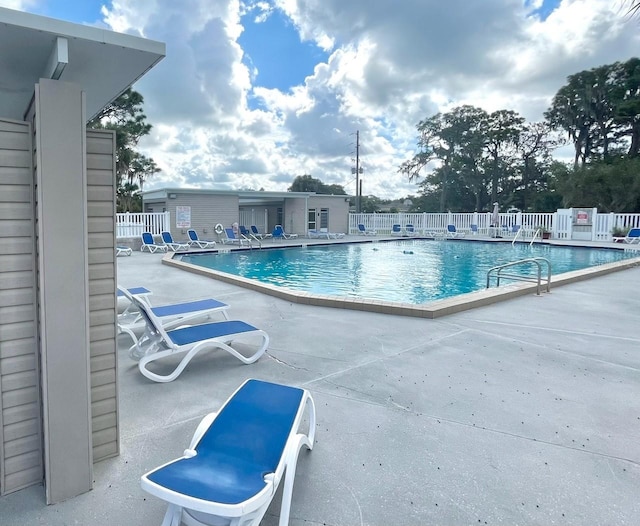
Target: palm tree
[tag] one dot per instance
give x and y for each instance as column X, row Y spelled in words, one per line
column 634, row 7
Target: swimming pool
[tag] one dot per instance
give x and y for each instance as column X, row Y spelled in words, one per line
column 410, row 272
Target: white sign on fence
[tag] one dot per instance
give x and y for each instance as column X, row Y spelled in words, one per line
column 183, row 217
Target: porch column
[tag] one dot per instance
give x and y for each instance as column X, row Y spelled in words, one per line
column 60, row 143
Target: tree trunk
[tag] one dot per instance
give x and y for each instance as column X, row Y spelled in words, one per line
column 634, row 149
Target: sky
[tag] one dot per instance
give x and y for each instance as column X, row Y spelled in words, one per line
column 254, row 93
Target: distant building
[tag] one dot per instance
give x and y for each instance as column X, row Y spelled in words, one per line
column 202, row 209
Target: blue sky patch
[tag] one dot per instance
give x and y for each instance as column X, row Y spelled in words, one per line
column 547, row 7
column 275, row 49
column 86, row 11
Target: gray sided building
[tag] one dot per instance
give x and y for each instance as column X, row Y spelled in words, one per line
column 202, row 210
column 58, row 275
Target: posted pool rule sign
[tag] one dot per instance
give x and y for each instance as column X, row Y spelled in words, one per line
column 582, row 217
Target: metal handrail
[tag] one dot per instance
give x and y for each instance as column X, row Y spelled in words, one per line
column 250, row 238
column 535, row 234
column 518, row 277
column 516, row 236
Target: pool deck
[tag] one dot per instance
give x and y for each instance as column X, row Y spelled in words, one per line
column 525, row 411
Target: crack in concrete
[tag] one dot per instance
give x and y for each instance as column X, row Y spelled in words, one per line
column 282, row 362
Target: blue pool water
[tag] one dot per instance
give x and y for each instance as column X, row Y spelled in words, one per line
column 417, row 271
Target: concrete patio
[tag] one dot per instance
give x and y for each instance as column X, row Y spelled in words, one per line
column 521, row 412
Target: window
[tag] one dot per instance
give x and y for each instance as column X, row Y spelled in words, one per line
column 311, row 215
column 324, row 219
column 279, row 216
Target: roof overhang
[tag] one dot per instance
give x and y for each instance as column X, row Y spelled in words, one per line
column 102, row 62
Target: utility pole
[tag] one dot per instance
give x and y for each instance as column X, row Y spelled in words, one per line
column 358, row 171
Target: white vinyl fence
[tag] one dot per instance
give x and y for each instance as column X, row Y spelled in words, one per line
column 134, row 224
column 569, row 223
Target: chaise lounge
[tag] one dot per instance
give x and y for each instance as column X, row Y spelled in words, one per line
column 200, row 243
column 150, row 245
column 132, row 322
column 256, row 233
column 174, row 246
column 237, row 459
column 157, row 342
column 453, row 232
column 279, row 233
column 232, row 239
column 365, row 231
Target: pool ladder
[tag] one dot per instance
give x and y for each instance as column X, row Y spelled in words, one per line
column 538, row 279
column 251, row 238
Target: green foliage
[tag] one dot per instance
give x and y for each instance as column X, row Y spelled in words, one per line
column 619, row 231
column 369, row 204
column 480, row 158
column 129, row 198
column 126, row 117
column 599, row 109
column 612, row 185
column 306, row 183
column 476, row 158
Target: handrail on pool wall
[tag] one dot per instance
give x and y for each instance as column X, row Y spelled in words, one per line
column 519, row 277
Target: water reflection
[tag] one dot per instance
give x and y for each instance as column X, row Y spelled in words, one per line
column 414, row 271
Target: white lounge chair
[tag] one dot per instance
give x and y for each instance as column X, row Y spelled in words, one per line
column 150, row 245
column 232, row 239
column 453, row 232
column 256, row 233
column 128, row 308
column 279, row 233
column 172, row 315
column 396, row 230
column 174, row 246
column 123, row 251
column 365, row 231
column 157, row 342
column 410, row 230
column 633, row 236
column 237, row 459
column 317, row 234
column 194, row 240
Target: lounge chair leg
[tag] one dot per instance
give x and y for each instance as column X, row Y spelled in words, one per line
column 290, row 471
column 173, row 517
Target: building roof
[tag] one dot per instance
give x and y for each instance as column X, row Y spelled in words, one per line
column 102, row 62
column 245, row 196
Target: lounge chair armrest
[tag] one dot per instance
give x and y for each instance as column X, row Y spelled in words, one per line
column 204, row 424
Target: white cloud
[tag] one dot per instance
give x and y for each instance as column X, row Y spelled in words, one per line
column 391, row 65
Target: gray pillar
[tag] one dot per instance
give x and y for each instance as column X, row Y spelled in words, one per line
column 60, row 145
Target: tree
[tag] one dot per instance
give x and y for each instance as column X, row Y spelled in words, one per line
column 503, row 129
column 600, row 110
column 611, row 186
column 536, row 142
column 455, row 140
column 627, row 103
column 634, row 7
column 126, row 117
column 306, row 183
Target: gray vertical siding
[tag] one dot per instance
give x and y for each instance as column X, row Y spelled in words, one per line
column 102, row 287
column 20, row 414
column 206, row 212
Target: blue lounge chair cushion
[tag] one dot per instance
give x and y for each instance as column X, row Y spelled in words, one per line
column 134, row 291
column 188, row 307
column 196, row 333
column 243, row 444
